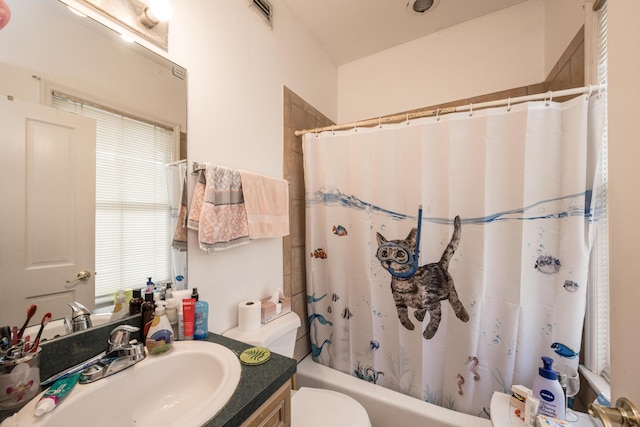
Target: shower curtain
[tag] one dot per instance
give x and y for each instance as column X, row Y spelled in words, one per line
column 176, row 186
column 447, row 255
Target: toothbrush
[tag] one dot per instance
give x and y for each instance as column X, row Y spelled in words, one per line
column 30, row 312
column 43, row 323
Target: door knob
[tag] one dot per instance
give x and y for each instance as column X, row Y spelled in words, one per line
column 625, row 413
column 83, row 275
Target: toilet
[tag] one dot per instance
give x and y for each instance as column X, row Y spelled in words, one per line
column 310, row 407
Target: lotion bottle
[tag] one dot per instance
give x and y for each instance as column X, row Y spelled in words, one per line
column 547, row 389
column 201, row 317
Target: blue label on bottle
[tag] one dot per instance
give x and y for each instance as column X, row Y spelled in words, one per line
column 547, row 395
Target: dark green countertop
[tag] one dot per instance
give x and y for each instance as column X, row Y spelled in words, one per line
column 257, row 384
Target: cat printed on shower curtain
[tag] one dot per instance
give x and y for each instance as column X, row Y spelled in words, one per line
column 430, row 284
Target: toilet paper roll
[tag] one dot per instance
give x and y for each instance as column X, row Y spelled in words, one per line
column 249, row 315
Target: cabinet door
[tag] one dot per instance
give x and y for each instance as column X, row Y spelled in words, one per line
column 275, row 412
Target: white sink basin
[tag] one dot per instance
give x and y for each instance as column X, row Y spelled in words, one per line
column 56, row 328
column 184, row 387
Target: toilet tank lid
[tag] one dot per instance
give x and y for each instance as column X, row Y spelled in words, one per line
column 268, row 332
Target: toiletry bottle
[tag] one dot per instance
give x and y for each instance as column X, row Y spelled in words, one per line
column 58, row 390
column 180, row 321
column 160, row 336
column 171, row 312
column 119, row 309
column 147, row 310
column 135, row 304
column 200, row 317
column 188, row 313
column 168, row 292
column 150, row 285
column 547, row 389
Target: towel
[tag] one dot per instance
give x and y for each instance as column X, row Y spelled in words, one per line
column 180, row 235
column 267, row 203
column 218, row 210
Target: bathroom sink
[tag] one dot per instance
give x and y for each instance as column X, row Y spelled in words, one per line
column 184, row 387
column 56, row 328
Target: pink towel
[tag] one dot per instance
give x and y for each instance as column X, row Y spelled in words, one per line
column 180, row 234
column 267, row 203
column 218, row 211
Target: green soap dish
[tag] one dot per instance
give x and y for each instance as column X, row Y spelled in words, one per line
column 255, row 356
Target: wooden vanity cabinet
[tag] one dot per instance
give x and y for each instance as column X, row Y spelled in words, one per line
column 275, row 412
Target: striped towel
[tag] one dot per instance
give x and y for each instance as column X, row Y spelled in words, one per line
column 218, row 211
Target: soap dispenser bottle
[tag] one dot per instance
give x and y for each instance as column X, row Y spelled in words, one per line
column 548, row 390
column 201, row 317
column 160, row 336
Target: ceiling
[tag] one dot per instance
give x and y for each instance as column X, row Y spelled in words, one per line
column 352, row 29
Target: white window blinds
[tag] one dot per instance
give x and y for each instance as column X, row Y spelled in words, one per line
column 133, row 236
column 597, row 354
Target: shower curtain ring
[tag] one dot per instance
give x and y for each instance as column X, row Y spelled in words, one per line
column 509, row 104
column 380, row 122
column 407, row 118
column 546, row 104
column 590, row 92
column 437, row 114
column 470, row 109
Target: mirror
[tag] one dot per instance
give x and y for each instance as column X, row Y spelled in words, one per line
column 44, row 47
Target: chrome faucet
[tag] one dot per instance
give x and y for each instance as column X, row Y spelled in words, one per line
column 120, row 355
column 624, row 413
column 80, row 318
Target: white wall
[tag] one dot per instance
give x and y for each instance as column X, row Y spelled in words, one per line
column 562, row 20
column 500, row 51
column 237, row 67
column 44, row 39
column 624, row 204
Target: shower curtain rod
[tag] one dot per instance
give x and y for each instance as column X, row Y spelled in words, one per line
column 466, row 107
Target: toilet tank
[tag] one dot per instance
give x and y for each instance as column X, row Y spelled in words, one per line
column 279, row 335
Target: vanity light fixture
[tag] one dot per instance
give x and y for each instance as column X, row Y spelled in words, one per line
column 157, row 11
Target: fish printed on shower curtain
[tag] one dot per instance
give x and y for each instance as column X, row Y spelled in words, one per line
column 502, row 256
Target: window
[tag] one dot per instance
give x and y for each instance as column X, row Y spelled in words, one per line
column 596, row 346
column 133, row 236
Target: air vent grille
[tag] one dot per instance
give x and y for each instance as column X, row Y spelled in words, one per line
column 263, row 8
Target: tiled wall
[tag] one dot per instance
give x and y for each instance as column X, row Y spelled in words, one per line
column 567, row 73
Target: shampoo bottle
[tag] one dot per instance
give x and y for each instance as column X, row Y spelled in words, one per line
column 548, row 391
column 160, row 336
column 201, row 317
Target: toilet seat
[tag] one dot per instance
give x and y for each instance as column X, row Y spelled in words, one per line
column 314, row 407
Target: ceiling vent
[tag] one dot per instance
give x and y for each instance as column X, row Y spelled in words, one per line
column 264, row 9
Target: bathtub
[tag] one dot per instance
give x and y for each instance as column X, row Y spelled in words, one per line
column 386, row 408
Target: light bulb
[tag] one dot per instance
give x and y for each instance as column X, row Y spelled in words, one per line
column 161, row 9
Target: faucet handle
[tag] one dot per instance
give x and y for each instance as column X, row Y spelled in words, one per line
column 624, row 413
column 120, row 336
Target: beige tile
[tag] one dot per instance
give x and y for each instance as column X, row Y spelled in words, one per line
column 298, row 270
